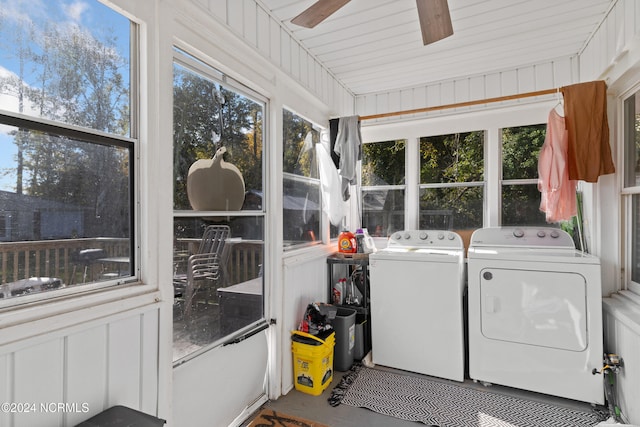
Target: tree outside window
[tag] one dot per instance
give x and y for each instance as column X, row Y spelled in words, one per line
column 452, row 181
column 383, row 187
column 302, row 204
column 520, row 195
column 66, row 156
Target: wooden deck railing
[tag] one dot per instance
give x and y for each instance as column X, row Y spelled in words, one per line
column 53, row 258
column 58, row 258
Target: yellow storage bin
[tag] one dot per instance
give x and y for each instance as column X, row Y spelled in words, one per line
column 312, row 361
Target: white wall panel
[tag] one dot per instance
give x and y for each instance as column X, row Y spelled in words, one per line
column 207, row 392
column 6, row 386
column 250, row 25
column 611, row 41
column 87, row 364
column 255, row 25
column 525, row 79
column 235, row 17
column 274, row 42
column 219, row 9
column 543, row 75
column 38, row 374
column 87, row 368
column 622, row 337
column 299, row 291
column 149, row 362
column 124, row 353
column 285, row 51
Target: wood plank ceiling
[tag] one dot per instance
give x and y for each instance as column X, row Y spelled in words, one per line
column 375, row 45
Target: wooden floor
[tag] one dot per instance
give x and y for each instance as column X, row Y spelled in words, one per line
column 317, row 408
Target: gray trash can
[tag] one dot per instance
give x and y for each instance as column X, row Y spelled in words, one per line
column 345, row 326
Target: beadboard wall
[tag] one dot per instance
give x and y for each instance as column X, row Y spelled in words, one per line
column 529, row 78
column 88, row 367
column 251, row 22
column 305, row 281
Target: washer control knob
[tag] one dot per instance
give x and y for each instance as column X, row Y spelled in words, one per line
column 518, row 233
column 397, row 236
column 555, row 234
column 440, row 236
column 541, row 234
column 407, row 236
column 423, row 235
column 452, row 236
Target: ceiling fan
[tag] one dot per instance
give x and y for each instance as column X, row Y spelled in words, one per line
column 435, row 21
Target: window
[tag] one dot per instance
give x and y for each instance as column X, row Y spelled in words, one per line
column 301, row 210
column 66, row 147
column 631, row 190
column 520, row 196
column 383, row 187
column 218, row 207
column 452, row 181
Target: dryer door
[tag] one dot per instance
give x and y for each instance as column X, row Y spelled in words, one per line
column 540, row 308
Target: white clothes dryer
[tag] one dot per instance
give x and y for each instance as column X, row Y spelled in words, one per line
column 535, row 312
column 417, row 288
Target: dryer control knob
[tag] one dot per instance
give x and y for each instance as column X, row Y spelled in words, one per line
column 554, row 234
column 407, row 236
column 518, row 233
column 541, row 233
column 423, row 235
column 440, row 236
column 397, row 236
column 452, row 236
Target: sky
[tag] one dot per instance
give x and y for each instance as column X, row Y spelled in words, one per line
column 89, row 14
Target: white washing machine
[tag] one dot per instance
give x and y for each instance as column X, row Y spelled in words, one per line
column 417, row 288
column 535, row 313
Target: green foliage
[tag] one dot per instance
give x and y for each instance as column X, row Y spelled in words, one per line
column 520, row 151
column 68, row 74
column 298, row 154
column 383, row 163
column 200, row 118
column 452, row 158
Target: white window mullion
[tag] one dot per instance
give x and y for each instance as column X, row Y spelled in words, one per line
column 492, row 177
column 412, row 190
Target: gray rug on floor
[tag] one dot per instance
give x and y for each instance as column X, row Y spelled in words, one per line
column 436, row 403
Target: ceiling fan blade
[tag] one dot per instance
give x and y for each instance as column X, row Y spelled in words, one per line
column 318, row 12
column 435, row 21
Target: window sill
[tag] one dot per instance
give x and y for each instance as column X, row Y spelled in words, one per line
column 301, row 254
column 22, row 321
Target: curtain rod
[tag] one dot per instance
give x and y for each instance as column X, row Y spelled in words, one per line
column 460, row 104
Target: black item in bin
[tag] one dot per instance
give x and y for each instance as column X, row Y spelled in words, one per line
column 345, row 326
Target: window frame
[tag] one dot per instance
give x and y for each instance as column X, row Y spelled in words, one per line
column 62, row 300
column 188, row 59
column 323, row 222
column 514, row 181
column 457, row 184
column 390, row 187
column 512, row 114
column 627, row 194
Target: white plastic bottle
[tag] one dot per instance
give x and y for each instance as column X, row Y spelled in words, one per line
column 338, row 291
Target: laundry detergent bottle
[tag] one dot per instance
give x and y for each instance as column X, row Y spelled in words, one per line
column 347, row 242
